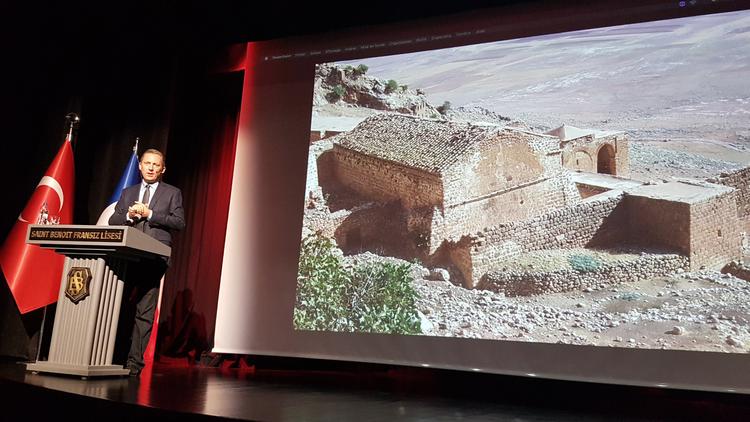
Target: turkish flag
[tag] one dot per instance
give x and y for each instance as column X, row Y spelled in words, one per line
column 33, row 273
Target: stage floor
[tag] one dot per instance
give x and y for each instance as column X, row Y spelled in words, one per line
column 353, row 393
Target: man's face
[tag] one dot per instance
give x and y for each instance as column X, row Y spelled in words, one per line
column 151, row 167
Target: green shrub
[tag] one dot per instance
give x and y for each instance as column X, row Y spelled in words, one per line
column 377, row 298
column 321, row 280
column 390, row 86
column 382, row 299
column 583, row 263
column 630, row 296
column 336, row 93
column 361, row 69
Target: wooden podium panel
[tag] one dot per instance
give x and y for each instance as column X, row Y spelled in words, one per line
column 91, row 289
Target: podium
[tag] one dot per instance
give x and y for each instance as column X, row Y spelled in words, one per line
column 91, row 289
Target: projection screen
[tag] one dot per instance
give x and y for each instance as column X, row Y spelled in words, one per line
column 561, row 192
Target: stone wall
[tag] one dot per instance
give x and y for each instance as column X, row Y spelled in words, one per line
column 318, row 219
column 386, row 181
column 582, row 154
column 658, row 223
column 715, row 232
column 592, row 222
column 524, row 283
column 314, row 179
column 579, row 154
column 739, row 180
column 512, row 177
column 707, row 232
column 317, row 135
column 374, row 227
column 495, row 165
column 622, row 156
column 512, row 205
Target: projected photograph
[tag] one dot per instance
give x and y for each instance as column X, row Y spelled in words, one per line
column 583, row 188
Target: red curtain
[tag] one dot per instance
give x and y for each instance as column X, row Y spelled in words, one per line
column 201, row 149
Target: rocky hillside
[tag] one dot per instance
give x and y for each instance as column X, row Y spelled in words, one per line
column 352, row 86
column 479, row 115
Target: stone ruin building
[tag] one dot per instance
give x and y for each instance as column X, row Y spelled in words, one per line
column 448, row 179
column 593, row 151
column 467, row 196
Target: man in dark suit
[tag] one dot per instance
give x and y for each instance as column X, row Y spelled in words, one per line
column 155, row 208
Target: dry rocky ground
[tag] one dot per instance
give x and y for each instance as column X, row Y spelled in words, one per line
column 690, row 311
column 705, row 311
column 699, row 160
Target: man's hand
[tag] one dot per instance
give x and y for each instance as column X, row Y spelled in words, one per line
column 139, row 210
column 133, row 213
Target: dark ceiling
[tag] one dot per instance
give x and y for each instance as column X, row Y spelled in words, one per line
column 67, row 23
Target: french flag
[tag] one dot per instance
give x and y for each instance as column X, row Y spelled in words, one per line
column 131, row 176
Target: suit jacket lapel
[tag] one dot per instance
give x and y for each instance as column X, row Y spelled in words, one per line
column 158, row 194
column 131, row 194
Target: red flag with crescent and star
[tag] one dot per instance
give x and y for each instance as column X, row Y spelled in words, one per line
column 33, row 273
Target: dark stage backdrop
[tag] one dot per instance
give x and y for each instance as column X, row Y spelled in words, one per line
column 202, row 157
column 122, row 86
column 119, row 82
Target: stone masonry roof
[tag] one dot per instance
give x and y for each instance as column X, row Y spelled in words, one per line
column 425, row 144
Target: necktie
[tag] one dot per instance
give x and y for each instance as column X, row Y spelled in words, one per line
column 141, row 224
column 147, row 194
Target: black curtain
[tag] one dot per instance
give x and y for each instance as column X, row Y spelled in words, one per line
column 200, row 162
column 121, row 85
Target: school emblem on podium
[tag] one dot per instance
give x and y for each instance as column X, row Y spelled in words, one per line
column 77, row 287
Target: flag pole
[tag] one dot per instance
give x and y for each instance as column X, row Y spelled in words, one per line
column 74, row 121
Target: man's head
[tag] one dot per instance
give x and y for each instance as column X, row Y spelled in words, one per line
column 152, row 165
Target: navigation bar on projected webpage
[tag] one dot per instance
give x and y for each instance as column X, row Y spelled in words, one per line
column 494, row 32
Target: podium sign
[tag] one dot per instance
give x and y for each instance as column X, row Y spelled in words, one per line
column 91, row 288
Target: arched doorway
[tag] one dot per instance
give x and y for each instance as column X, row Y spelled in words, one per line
column 605, row 160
